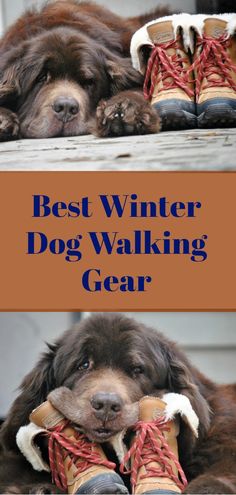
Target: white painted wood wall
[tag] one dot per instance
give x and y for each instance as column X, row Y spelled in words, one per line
column 11, row 9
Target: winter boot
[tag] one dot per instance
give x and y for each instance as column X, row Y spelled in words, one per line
column 155, row 468
column 215, row 75
column 77, row 465
column 168, row 81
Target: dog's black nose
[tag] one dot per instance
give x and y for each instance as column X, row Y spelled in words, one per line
column 106, row 405
column 65, row 108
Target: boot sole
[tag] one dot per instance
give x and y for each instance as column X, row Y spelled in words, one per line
column 176, row 115
column 218, row 112
column 103, row 483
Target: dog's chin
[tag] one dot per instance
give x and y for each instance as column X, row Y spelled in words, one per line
column 53, row 128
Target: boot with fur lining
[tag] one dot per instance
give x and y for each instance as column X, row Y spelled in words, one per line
column 153, row 456
column 210, row 42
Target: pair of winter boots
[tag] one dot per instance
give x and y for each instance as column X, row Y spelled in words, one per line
column 189, row 63
column 80, row 466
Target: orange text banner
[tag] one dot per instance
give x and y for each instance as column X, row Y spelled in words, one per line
column 118, row 241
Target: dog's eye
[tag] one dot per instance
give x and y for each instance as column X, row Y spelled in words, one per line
column 43, row 77
column 137, row 370
column 84, row 366
column 89, row 83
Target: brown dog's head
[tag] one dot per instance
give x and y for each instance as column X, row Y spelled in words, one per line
column 55, row 81
column 109, row 361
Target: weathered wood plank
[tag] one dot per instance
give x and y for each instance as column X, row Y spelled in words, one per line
column 187, row 150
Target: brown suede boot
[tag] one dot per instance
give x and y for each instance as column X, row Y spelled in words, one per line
column 168, row 83
column 155, row 468
column 215, row 74
column 77, row 465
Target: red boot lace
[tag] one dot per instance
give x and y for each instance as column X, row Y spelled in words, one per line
column 150, row 446
column 80, row 451
column 213, row 64
column 162, row 66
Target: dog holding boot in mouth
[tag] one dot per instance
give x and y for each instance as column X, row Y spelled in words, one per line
column 124, row 402
column 79, row 465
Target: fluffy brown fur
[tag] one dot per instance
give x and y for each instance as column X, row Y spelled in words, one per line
column 114, row 354
column 59, row 64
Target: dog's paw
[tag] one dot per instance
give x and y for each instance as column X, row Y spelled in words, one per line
column 9, row 125
column 30, row 489
column 126, row 114
column 209, row 484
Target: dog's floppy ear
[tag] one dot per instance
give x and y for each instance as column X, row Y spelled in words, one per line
column 183, row 378
column 9, row 72
column 35, row 388
column 14, row 74
column 121, row 73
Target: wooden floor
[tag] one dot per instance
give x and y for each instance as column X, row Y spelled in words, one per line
column 199, row 150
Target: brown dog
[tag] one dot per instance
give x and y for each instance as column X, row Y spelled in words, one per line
column 65, row 71
column 117, row 358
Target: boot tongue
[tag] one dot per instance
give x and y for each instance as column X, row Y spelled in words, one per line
column 151, row 408
column 215, row 27
column 161, row 32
